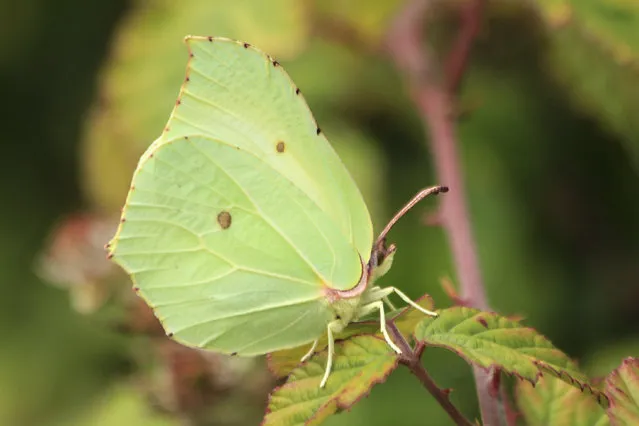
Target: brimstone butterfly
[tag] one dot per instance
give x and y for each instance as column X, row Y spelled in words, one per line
column 242, row 229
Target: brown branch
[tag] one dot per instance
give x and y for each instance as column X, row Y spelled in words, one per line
column 432, row 95
column 411, row 359
column 433, row 100
column 457, row 61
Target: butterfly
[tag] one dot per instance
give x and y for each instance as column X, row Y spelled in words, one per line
column 242, row 229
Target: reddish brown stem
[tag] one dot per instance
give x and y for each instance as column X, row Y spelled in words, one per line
column 470, row 23
column 411, row 359
column 432, row 96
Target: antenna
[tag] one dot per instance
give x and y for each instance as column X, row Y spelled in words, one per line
column 433, row 190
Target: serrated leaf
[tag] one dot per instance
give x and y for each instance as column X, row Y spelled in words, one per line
column 281, row 363
column 359, row 363
column 622, row 388
column 487, row 339
column 553, row 402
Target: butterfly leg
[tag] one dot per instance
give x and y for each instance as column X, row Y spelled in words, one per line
column 410, row 302
column 310, row 351
column 379, row 306
column 337, row 325
column 389, row 303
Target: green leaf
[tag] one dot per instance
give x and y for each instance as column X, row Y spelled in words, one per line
column 281, row 363
column 622, row 388
column 552, row 402
column 359, row 363
column 486, row 339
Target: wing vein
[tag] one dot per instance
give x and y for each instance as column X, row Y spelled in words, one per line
column 244, row 313
column 276, row 332
column 266, row 219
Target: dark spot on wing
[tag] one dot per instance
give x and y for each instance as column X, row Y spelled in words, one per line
column 276, row 64
column 224, row 219
column 297, row 90
column 319, row 130
column 280, row 147
column 246, row 45
column 210, row 38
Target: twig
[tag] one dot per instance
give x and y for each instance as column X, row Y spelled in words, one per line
column 470, row 23
column 432, row 93
column 433, row 100
column 411, row 359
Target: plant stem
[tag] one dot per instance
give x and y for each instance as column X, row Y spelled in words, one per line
column 432, row 95
column 411, row 359
column 458, row 57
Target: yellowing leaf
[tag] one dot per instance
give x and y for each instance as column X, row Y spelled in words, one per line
column 552, row 402
column 622, row 388
column 282, row 363
column 359, row 363
column 409, row 317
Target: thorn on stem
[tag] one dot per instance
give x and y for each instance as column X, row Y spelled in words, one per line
column 433, row 218
column 495, row 381
column 451, row 292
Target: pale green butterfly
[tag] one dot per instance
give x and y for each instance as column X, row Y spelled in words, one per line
column 242, row 229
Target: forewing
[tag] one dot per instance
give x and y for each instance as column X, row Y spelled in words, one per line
column 240, row 96
column 230, row 253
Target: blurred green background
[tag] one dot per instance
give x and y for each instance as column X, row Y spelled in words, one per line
column 549, row 140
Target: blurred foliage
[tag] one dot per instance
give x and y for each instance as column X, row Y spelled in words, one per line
column 549, row 142
column 146, row 67
column 594, row 52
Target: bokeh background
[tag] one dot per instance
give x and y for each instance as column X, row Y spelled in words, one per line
column 549, row 141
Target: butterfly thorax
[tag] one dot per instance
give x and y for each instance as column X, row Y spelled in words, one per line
column 345, row 310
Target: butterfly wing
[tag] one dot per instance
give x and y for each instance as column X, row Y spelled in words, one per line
column 230, row 254
column 241, row 216
column 238, row 95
